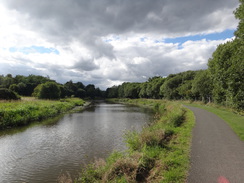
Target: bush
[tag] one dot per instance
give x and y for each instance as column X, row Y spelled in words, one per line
column 48, row 90
column 6, row 94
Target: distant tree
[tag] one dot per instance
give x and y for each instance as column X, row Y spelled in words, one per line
column 90, row 91
column 62, row 91
column 22, row 89
column 6, row 94
column 112, row 92
column 48, row 90
column 131, row 90
column 81, row 93
column 169, row 88
column 79, row 85
column 37, row 90
column 14, row 87
column 70, row 88
column 184, row 90
column 202, row 86
column 7, row 81
column 121, row 92
column 143, row 90
column 154, row 87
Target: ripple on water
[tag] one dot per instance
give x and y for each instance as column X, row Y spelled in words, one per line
column 40, row 153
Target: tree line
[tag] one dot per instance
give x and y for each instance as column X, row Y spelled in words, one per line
column 45, row 88
column 222, row 82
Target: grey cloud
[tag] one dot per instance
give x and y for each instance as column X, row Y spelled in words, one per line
column 18, row 69
column 85, row 65
column 64, row 21
column 72, row 18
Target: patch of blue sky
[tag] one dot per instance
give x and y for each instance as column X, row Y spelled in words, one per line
column 142, row 39
column 108, row 40
column 214, row 36
column 111, row 38
column 34, row 49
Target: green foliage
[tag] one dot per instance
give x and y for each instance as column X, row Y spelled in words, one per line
column 23, row 112
column 222, row 82
column 159, row 153
column 143, row 91
column 153, row 89
column 239, row 14
column 131, row 90
column 48, row 90
column 112, row 92
column 25, row 85
column 202, row 85
column 227, row 71
column 6, row 94
column 90, row 89
column 132, row 140
column 178, row 86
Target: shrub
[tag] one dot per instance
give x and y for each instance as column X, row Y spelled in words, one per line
column 6, row 94
column 48, row 90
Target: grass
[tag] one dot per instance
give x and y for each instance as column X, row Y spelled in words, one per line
column 234, row 120
column 159, row 153
column 19, row 113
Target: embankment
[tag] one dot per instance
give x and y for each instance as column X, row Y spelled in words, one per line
column 159, row 153
column 19, row 113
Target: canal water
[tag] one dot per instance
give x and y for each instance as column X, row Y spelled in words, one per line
column 41, row 153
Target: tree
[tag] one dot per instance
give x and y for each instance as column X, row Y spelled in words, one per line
column 156, row 83
column 70, row 88
column 81, row 93
column 90, row 91
column 131, row 90
column 143, row 90
column 6, row 94
column 168, row 89
column 48, row 90
column 239, row 14
column 14, row 87
column 112, row 92
column 184, row 90
column 202, row 85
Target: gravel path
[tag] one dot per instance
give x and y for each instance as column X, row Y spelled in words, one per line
column 217, row 154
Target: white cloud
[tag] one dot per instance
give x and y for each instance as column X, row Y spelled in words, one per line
column 107, row 42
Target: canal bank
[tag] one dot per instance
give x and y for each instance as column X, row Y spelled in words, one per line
column 159, row 153
column 43, row 152
column 29, row 109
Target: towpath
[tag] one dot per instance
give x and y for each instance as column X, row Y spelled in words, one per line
column 217, row 154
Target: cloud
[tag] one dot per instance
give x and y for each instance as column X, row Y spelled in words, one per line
column 107, row 42
column 66, row 20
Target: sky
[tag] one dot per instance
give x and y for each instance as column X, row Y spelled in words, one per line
column 108, row 42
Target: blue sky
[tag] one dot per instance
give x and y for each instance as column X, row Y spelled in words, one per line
column 34, row 49
column 213, row 36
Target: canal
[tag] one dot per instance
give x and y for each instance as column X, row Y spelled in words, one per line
column 41, row 153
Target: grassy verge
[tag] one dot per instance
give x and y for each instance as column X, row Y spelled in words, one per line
column 19, row 113
column 159, row 153
column 234, row 120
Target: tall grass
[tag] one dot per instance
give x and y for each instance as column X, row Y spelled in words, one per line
column 159, row 153
column 18, row 113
